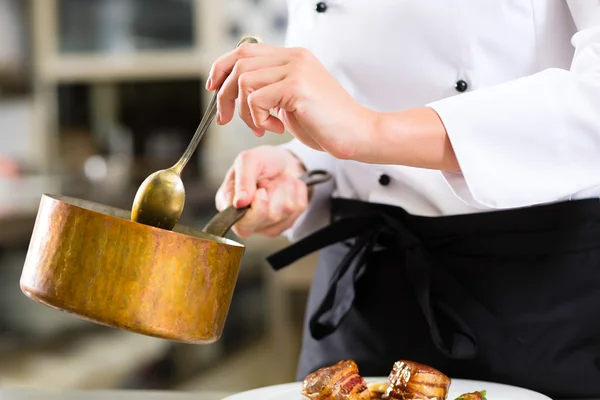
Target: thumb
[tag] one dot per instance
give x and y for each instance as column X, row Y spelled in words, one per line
column 247, row 171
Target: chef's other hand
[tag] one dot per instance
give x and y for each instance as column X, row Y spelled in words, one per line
column 267, row 179
column 304, row 97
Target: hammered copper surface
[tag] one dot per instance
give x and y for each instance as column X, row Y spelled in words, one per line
column 91, row 260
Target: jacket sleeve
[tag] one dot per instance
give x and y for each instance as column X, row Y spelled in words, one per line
column 317, row 215
column 532, row 140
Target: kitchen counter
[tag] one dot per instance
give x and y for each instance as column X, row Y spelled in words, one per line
column 39, row 394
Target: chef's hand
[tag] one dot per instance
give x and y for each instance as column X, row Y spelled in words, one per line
column 305, row 98
column 266, row 178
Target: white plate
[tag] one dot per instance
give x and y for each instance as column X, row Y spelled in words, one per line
column 495, row 391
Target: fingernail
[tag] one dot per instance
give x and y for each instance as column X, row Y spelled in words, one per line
column 208, row 83
column 240, row 196
column 219, row 118
column 259, row 132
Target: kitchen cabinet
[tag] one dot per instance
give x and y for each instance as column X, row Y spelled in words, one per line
column 89, row 60
column 101, row 43
column 87, row 50
column 14, row 48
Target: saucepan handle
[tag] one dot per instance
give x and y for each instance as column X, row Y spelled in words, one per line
column 221, row 223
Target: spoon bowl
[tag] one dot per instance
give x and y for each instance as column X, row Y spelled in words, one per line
column 159, row 200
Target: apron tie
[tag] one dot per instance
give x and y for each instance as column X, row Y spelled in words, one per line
column 454, row 338
column 462, row 343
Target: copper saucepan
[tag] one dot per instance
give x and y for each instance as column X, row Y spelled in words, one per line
column 92, row 261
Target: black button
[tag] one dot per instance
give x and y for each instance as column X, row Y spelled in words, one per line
column 384, row 180
column 461, row 86
column 321, row 7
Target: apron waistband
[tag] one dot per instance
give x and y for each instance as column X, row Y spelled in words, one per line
column 411, row 237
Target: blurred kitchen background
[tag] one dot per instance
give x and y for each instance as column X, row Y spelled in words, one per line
column 94, row 96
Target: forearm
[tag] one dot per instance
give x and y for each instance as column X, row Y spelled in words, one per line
column 414, row 137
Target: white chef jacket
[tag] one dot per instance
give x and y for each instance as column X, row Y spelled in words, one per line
column 525, row 132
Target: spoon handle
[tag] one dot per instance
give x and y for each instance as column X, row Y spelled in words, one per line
column 221, row 223
column 208, row 117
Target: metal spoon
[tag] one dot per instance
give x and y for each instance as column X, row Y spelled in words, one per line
column 160, row 198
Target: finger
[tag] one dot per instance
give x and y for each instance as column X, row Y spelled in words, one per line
column 229, row 92
column 300, row 204
column 284, row 207
column 248, row 167
column 253, row 81
column 255, row 216
column 296, row 191
column 298, row 129
column 301, row 195
column 278, row 228
column 224, row 65
column 280, row 202
column 262, row 100
column 224, row 196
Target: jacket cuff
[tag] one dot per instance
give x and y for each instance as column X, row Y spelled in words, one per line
column 525, row 142
column 317, row 214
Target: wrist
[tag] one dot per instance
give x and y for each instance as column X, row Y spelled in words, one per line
column 298, row 168
column 368, row 146
column 414, row 137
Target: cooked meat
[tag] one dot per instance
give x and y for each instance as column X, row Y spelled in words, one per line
column 337, row 382
column 413, row 381
column 472, row 396
column 377, row 389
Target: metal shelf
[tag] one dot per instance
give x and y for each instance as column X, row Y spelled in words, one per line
column 110, row 68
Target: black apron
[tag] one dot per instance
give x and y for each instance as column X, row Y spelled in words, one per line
column 506, row 296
